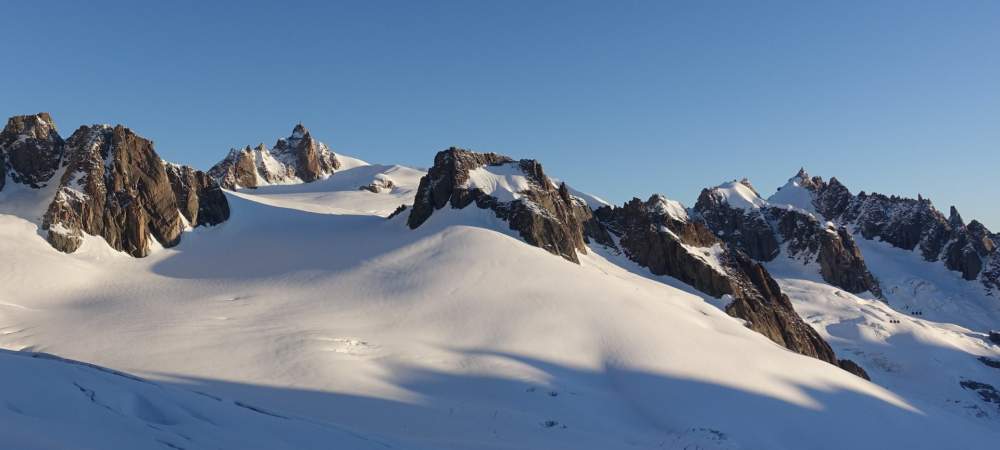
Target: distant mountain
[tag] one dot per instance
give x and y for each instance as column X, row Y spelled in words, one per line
column 299, row 158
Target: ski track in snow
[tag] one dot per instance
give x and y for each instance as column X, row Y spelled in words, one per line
column 308, row 320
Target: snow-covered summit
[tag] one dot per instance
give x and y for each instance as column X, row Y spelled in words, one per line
column 668, row 207
column 299, row 158
column 796, row 193
column 738, row 194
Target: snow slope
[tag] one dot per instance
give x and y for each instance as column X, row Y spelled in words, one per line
column 308, row 303
column 911, row 355
column 794, row 195
column 57, row 403
column 340, row 194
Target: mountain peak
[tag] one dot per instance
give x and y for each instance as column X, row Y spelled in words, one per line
column 955, row 219
column 299, row 131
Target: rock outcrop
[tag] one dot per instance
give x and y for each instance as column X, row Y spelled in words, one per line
column 659, row 234
column 655, row 236
column 117, row 187
column 910, row 224
column 740, row 225
column 737, row 215
column 832, row 248
column 381, row 183
column 112, row 184
column 30, row 150
column 299, row 158
column 199, row 197
column 543, row 214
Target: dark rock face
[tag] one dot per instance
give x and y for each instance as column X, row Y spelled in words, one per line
column 545, row 216
column 852, row 367
column 30, row 149
column 310, row 159
column 842, row 265
column 911, row 224
column 117, row 187
column 970, row 248
column 670, row 243
column 987, row 393
column 830, row 199
column 450, row 171
column 760, row 231
column 199, row 197
column 238, row 169
column 746, row 230
column 297, row 158
column 662, row 243
column 902, row 222
column 768, row 311
column 989, row 362
column 840, row 260
column 994, row 337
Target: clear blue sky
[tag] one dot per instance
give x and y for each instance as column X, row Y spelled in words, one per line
column 621, row 99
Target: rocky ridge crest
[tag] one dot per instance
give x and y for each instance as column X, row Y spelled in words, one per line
column 299, row 158
column 111, row 183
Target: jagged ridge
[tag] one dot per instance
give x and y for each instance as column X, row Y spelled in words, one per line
column 298, row 158
column 113, row 185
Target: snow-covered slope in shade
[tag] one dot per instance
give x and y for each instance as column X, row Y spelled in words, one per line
column 53, row 403
column 455, row 335
column 907, row 353
column 912, row 285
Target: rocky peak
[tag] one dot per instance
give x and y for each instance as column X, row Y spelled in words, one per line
column 761, row 229
column 803, row 179
column 733, row 212
column 30, row 150
column 299, row 132
column 955, row 219
column 543, row 214
column 299, row 158
column 117, row 187
column 907, row 223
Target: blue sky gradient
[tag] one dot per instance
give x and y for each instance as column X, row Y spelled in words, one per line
column 621, row 99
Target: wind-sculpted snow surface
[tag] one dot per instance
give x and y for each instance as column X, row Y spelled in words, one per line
column 50, row 402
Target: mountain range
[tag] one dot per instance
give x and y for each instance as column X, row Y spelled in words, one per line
column 295, row 297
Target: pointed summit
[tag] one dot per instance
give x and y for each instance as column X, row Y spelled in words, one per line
column 298, row 158
column 955, row 219
column 802, row 174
